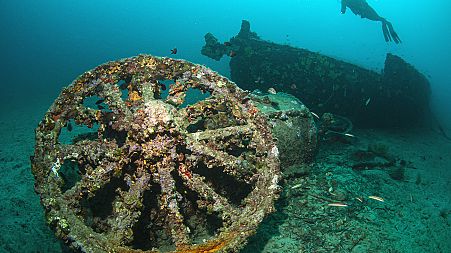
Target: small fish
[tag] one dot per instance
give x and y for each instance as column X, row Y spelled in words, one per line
column 376, row 198
column 227, row 44
column 296, row 186
column 367, row 101
column 232, row 53
column 69, row 127
column 349, row 135
column 337, row 204
column 314, row 114
column 174, row 50
column 100, row 101
column 272, row 91
column 100, row 107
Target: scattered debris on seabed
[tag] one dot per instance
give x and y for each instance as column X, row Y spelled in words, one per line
column 331, row 205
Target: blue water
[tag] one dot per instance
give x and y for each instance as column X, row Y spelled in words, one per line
column 46, row 44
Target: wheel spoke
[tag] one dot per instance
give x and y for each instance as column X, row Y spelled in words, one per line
column 86, row 116
column 92, row 151
column 177, row 93
column 93, row 180
column 221, row 133
column 99, row 161
column 168, row 200
column 209, row 196
column 151, row 90
column 239, row 169
column 122, row 114
column 214, row 108
column 128, row 205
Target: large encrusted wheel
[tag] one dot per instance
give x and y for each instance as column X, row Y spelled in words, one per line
column 155, row 174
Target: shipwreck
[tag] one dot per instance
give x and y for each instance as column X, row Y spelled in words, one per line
column 399, row 96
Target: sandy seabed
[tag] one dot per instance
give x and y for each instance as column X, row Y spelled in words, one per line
column 414, row 217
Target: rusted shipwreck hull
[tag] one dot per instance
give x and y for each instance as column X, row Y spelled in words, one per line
column 399, row 96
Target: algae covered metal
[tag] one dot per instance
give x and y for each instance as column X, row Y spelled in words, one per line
column 155, row 174
column 292, row 125
column 399, row 96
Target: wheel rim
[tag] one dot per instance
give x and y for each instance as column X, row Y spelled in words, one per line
column 156, row 165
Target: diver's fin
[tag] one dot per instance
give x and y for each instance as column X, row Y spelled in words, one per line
column 386, row 32
column 393, row 34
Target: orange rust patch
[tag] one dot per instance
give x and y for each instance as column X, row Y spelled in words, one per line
column 209, row 247
column 114, row 69
column 78, row 87
column 98, row 115
column 253, row 110
column 134, row 96
column 195, row 70
column 56, row 117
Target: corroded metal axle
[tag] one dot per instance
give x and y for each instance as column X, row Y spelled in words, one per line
column 154, row 174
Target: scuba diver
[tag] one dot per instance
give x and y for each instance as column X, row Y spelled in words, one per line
column 364, row 10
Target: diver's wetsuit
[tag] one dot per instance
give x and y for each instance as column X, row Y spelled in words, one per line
column 364, row 10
